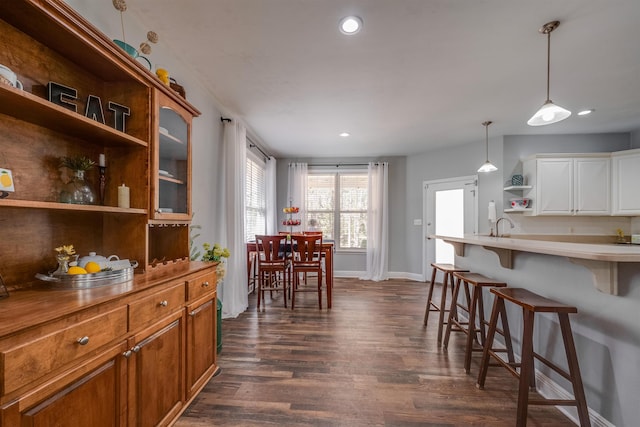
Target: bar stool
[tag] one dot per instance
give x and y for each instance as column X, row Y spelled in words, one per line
column 474, row 309
column 531, row 304
column 447, row 270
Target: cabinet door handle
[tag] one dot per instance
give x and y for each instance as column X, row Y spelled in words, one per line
column 192, row 313
column 164, row 303
column 83, row 340
column 205, row 285
column 136, row 348
column 127, row 354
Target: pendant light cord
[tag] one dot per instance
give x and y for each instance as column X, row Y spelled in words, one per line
column 486, row 137
column 548, row 62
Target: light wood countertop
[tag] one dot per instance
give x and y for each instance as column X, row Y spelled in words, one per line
column 601, row 257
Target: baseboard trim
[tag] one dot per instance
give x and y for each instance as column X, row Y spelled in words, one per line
column 550, row 389
column 392, row 275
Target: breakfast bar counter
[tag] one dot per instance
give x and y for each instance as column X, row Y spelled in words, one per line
column 600, row 254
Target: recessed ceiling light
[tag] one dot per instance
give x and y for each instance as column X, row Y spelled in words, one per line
column 585, row 112
column 345, row 134
column 350, row 25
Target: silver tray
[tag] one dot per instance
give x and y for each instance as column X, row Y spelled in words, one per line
column 93, row 280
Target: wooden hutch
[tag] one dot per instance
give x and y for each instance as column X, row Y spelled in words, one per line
column 134, row 353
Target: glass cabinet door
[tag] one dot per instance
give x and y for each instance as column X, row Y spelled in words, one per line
column 172, row 199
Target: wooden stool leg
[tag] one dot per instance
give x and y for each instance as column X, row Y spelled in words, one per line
column 453, row 310
column 525, row 368
column 431, row 286
column 472, row 326
column 506, row 332
column 498, row 308
column 574, row 370
column 480, row 310
column 443, row 304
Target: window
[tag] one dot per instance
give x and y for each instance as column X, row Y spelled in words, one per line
column 337, row 205
column 255, row 199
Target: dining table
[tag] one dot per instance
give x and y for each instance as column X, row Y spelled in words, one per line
column 328, row 249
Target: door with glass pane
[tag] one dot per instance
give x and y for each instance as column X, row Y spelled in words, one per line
column 172, row 164
column 450, row 209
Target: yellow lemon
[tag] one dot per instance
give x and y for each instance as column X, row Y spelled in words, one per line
column 92, row 267
column 5, row 179
column 77, row 270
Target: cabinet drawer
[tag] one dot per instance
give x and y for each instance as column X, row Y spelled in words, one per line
column 201, row 285
column 156, row 306
column 26, row 363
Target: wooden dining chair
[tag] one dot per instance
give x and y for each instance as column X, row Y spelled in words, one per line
column 307, row 258
column 273, row 266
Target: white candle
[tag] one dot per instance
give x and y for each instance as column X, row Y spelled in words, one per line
column 102, row 162
column 123, row 196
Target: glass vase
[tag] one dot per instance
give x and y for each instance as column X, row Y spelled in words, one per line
column 78, row 191
column 63, row 264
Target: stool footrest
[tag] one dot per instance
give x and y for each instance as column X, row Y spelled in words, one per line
column 553, row 366
column 553, row 402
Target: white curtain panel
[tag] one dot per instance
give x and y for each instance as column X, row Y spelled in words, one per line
column 234, row 288
column 297, row 190
column 270, row 194
column 378, row 223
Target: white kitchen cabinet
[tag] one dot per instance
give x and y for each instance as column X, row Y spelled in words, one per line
column 626, row 176
column 569, row 185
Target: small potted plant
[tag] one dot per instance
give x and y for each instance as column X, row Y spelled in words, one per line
column 216, row 253
column 78, row 190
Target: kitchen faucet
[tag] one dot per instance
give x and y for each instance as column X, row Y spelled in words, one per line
column 498, row 225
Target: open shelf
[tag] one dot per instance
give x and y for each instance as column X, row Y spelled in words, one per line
column 518, row 187
column 68, row 207
column 518, row 210
column 28, row 107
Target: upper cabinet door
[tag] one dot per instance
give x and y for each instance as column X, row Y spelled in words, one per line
column 592, row 186
column 626, row 176
column 554, row 192
column 171, row 173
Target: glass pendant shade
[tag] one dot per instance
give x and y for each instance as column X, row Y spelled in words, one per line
column 487, row 166
column 547, row 114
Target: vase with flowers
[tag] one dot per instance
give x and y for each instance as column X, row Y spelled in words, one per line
column 216, row 253
column 78, row 190
column 64, row 255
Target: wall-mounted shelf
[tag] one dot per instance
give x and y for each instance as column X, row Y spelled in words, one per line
column 518, row 187
column 518, row 210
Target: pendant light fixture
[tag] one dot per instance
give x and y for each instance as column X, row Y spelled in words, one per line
column 487, row 166
column 549, row 112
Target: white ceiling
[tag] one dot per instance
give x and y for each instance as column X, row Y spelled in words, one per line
column 422, row 74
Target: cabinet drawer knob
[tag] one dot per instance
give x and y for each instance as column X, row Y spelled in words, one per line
column 127, row 354
column 136, row 348
column 192, row 313
column 164, row 303
column 83, row 340
column 205, row 284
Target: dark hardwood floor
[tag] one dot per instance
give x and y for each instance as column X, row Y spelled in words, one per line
column 366, row 362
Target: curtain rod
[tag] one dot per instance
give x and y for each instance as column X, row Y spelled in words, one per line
column 252, row 145
column 336, row 164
